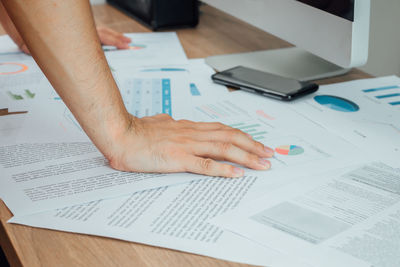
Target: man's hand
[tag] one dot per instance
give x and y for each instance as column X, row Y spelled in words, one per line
column 106, row 35
column 62, row 38
column 110, row 37
column 161, row 144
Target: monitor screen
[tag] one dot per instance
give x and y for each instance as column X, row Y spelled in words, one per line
column 341, row 8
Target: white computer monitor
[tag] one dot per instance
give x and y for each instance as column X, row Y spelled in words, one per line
column 336, row 31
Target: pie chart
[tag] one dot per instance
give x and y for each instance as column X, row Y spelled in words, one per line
column 289, row 150
column 337, row 103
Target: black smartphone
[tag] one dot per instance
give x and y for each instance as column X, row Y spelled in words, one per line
column 264, row 83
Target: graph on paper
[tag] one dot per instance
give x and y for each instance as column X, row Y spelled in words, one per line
column 337, row 103
column 21, row 94
column 387, row 94
column 293, row 150
column 254, row 129
column 289, row 150
column 9, row 68
column 147, row 97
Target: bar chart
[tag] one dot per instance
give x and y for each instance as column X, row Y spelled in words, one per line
column 147, row 97
column 386, row 94
column 21, row 94
column 253, row 129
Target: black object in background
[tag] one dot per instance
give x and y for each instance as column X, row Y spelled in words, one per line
column 263, row 83
column 159, row 14
column 3, row 260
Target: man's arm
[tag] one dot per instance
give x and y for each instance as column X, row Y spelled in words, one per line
column 107, row 36
column 62, row 38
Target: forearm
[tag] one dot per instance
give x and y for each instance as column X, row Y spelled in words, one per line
column 62, row 38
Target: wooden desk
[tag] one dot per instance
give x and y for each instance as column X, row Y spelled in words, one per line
column 217, row 33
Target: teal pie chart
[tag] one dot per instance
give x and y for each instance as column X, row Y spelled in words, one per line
column 337, row 103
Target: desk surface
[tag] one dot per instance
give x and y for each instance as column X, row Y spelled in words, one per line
column 216, row 34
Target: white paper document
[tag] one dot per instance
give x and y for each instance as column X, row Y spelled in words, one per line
column 80, row 170
column 152, row 93
column 144, row 94
column 318, row 219
column 174, row 217
column 300, row 145
column 44, row 176
column 364, row 112
column 372, row 100
column 147, row 49
column 200, row 88
column 20, row 82
column 7, row 45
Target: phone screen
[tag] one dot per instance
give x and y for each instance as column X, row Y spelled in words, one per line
column 242, row 76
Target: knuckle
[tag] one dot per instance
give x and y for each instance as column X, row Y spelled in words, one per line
column 233, row 134
column 259, row 145
column 224, row 148
column 220, row 125
column 205, row 164
column 251, row 158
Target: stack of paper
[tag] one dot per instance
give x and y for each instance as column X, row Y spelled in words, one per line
column 329, row 192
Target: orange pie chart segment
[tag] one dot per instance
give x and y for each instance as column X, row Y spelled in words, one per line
column 7, row 68
column 289, row 150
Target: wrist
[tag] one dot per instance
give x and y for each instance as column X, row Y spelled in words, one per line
column 119, row 132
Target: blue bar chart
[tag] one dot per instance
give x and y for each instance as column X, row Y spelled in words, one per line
column 380, row 89
column 387, row 94
column 147, row 97
column 253, row 129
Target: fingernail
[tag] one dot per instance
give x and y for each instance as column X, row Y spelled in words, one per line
column 264, row 163
column 238, row 172
column 268, row 150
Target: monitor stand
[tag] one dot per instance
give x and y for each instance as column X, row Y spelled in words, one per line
column 290, row 62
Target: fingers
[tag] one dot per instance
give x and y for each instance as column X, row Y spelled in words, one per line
column 237, row 138
column 219, row 132
column 110, row 37
column 205, row 126
column 210, row 167
column 229, row 152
